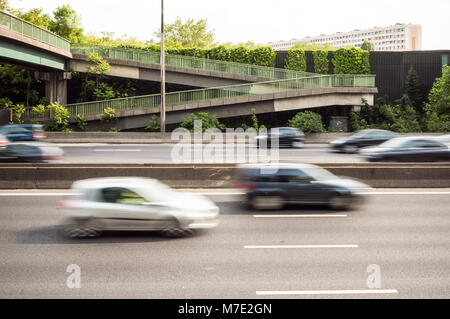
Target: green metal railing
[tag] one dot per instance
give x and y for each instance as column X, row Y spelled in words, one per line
column 12, row 23
column 226, row 92
column 181, row 61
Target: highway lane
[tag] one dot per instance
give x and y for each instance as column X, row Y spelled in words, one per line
column 162, row 153
column 405, row 232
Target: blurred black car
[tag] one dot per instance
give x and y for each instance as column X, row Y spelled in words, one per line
column 408, row 149
column 23, row 132
column 273, row 186
column 361, row 139
column 33, row 152
column 286, row 136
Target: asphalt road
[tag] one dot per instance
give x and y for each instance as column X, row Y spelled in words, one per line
column 161, row 153
column 405, row 232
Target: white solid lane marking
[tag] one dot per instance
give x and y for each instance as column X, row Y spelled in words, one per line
column 34, row 194
column 118, row 150
column 328, row 292
column 406, row 193
column 300, row 216
column 299, row 246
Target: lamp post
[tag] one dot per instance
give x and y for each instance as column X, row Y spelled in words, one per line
column 163, row 74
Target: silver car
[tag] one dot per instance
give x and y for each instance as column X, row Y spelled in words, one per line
column 134, row 204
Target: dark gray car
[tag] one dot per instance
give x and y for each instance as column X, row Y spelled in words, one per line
column 274, row 186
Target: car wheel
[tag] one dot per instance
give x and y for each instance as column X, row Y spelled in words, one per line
column 350, row 149
column 338, row 202
column 175, row 230
column 83, row 230
column 267, row 202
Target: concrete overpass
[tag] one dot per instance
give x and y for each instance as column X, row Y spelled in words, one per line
column 231, row 101
column 26, row 44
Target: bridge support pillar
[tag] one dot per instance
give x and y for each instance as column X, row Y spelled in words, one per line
column 55, row 85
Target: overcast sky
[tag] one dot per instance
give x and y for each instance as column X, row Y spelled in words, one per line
column 260, row 21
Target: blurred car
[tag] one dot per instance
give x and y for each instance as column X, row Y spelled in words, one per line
column 33, row 151
column 361, row 139
column 287, row 137
column 3, row 142
column 444, row 139
column 23, row 132
column 269, row 186
column 131, row 204
column 413, row 149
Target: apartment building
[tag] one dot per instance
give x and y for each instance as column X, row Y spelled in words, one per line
column 398, row 37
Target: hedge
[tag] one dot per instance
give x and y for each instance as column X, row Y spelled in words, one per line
column 296, row 60
column 351, row 61
column 321, row 63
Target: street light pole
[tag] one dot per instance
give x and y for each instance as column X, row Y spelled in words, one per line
column 163, row 74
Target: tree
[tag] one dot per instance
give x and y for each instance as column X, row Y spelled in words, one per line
column 190, row 34
column 438, row 106
column 67, row 24
column 413, row 89
column 5, row 6
column 16, row 83
column 100, row 66
column 368, row 46
column 37, row 17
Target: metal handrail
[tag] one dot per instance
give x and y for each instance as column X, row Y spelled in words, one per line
column 25, row 28
column 188, row 62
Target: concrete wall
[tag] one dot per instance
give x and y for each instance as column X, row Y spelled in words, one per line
column 50, row 176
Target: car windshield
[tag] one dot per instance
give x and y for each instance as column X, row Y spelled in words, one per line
column 157, row 191
column 394, row 143
column 320, row 174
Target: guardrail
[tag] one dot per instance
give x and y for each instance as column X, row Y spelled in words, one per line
column 225, row 92
column 25, row 28
column 188, row 62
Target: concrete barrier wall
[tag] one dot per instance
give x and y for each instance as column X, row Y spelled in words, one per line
column 48, row 176
column 158, row 138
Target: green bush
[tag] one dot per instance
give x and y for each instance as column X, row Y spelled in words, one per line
column 255, row 123
column 296, row 60
column 351, row 61
column 18, row 111
column 109, row 115
column 321, row 63
column 308, row 122
column 263, row 56
column 220, row 53
column 239, row 54
column 208, row 120
column 59, row 117
column 5, row 103
column 154, row 125
column 401, row 117
column 82, row 122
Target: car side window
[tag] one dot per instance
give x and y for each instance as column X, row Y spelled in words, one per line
column 299, row 177
column 432, row 144
column 124, row 196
